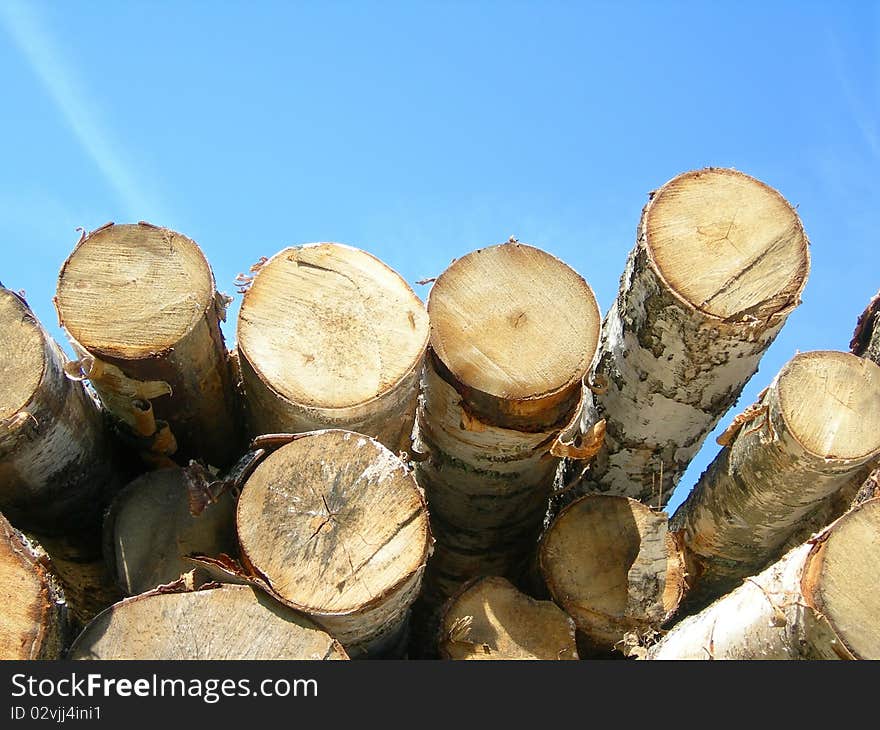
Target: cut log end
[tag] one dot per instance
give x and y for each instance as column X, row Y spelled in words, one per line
column 22, row 357
column 513, row 322
column 613, row 566
column 727, row 243
column 150, row 530
column 337, row 527
column 130, row 291
column 328, row 326
column 34, row 617
column 230, row 622
column 831, row 404
column 490, row 619
column 842, row 580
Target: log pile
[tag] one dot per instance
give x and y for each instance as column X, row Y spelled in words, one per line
column 480, row 477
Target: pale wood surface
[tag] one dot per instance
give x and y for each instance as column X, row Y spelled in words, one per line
column 230, row 622
column 22, row 357
column 490, row 619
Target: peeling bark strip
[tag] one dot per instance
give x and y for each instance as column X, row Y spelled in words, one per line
column 513, row 331
column 866, row 337
column 228, row 622
column 33, row 622
column 819, row 601
column 490, row 619
column 720, row 262
column 149, row 530
column 330, row 337
column 613, row 566
column 55, row 461
column 338, row 529
column 140, row 306
column 813, row 430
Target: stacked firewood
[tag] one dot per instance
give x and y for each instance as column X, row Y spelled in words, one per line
column 480, row 476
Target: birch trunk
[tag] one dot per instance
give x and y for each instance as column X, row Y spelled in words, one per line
column 150, row 529
column 813, row 430
column 228, row 622
column 819, row 601
column 141, row 309
column 56, row 466
column 337, row 528
column 613, row 566
column 33, row 623
column 330, row 337
column 720, row 262
column 490, row 619
column 513, row 333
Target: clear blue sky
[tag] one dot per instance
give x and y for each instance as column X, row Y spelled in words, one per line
column 420, row 131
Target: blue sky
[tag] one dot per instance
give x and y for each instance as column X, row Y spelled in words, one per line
column 421, row 131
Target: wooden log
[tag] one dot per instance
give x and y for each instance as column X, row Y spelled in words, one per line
column 141, row 309
column 337, row 528
column 330, row 337
column 865, row 340
column 811, row 432
column 56, row 466
column 720, row 262
column 228, row 622
column 490, row 619
column 513, row 331
column 82, row 572
column 33, row 623
column 614, row 567
column 150, row 529
column 819, row 601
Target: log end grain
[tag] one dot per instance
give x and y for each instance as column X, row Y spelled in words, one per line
column 842, row 578
column 513, row 322
column 229, row 622
column 338, row 528
column 490, row 619
column 830, row 402
column 149, row 530
column 131, row 291
column 612, row 565
column 727, row 243
column 22, row 358
column 329, row 326
column 33, row 622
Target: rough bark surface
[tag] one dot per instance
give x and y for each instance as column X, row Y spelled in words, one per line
column 33, row 623
column 719, row 263
column 811, row 433
column 56, row 467
column 330, row 337
column 613, row 566
column 150, row 529
column 141, row 309
column 490, row 619
column 819, row 601
column 338, row 529
column 228, row 622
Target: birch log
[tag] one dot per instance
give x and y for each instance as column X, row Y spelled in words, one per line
column 150, row 529
column 720, row 262
column 819, row 601
column 811, row 432
column 228, row 622
column 33, row 622
column 513, row 331
column 337, row 528
column 613, row 566
column 490, row 619
column 56, row 467
column 141, row 309
column 330, row 337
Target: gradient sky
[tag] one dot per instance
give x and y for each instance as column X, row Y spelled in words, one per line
column 421, row 131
